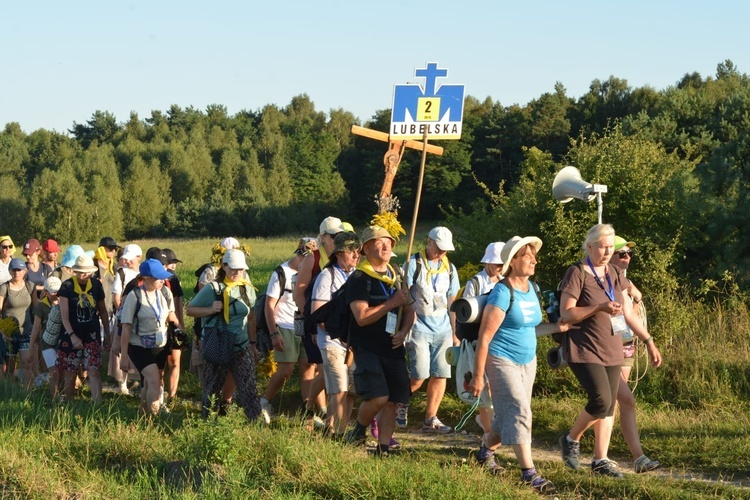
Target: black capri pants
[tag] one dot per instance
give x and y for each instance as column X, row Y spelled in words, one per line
column 600, row 383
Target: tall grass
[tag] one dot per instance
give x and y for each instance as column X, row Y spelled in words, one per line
column 694, row 413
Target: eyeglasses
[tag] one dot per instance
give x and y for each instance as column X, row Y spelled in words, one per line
column 625, row 253
column 6, row 247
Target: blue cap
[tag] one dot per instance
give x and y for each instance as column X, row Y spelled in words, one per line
column 152, row 268
column 70, row 255
column 16, row 263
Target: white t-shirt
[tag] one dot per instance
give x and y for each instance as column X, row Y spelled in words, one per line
column 285, row 307
column 118, row 286
column 485, row 284
column 328, row 281
column 4, row 271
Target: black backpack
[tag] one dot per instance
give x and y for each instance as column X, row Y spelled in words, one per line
column 336, row 315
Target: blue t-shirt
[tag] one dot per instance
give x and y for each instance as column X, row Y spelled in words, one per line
column 516, row 338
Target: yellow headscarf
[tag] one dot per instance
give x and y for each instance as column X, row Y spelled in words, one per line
column 101, row 254
column 227, row 289
column 367, row 268
column 83, row 294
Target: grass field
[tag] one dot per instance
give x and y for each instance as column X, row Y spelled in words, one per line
column 80, row 450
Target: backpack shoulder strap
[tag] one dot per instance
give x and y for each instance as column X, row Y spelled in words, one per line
column 30, row 287
column 281, row 275
column 138, row 301
column 121, row 274
column 507, row 284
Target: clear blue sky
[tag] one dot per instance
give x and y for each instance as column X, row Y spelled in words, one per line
column 61, row 61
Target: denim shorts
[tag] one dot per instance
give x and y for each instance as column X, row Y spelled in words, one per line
column 427, row 354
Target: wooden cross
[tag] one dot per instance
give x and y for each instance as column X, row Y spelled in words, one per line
column 392, row 157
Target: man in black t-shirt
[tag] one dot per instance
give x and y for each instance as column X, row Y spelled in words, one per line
column 380, row 377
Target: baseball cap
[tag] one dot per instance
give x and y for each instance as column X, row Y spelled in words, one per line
column 31, row 246
column 16, row 263
column 235, row 259
column 109, row 242
column 170, row 255
column 331, row 225
column 131, row 251
column 306, row 245
column 158, row 254
column 622, row 242
column 52, row 284
column 443, row 237
column 152, row 268
column 50, row 246
column 230, row 243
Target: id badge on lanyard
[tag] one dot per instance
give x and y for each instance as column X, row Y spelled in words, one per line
column 619, row 326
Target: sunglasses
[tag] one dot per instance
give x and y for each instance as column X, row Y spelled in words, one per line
column 625, row 253
column 7, row 247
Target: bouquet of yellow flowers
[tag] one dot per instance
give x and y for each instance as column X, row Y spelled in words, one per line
column 387, row 216
column 9, row 326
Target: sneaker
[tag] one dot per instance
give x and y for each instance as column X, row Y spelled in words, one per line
column 374, row 428
column 540, row 484
column 488, row 462
column 394, row 445
column 402, row 415
column 265, row 410
column 605, row 467
column 570, row 452
column 318, row 423
column 645, row 464
column 435, row 425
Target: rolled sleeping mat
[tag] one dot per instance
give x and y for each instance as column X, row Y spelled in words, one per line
column 555, row 358
column 452, row 354
column 469, row 310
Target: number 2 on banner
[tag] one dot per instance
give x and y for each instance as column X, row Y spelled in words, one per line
column 428, row 109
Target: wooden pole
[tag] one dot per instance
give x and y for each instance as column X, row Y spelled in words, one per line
column 419, row 198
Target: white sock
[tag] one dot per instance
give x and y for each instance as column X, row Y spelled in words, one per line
column 161, row 395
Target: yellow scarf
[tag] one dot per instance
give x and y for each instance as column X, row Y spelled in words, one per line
column 366, row 268
column 225, row 294
column 101, row 255
column 442, row 268
column 83, row 294
column 45, row 300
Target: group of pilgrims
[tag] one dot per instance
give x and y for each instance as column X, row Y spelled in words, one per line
column 64, row 312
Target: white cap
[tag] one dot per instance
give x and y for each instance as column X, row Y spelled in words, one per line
column 131, row 251
column 235, row 259
column 52, row 284
column 331, row 225
column 443, row 237
column 492, row 253
column 230, row 243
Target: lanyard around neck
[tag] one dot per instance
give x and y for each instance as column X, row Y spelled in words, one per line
column 156, row 309
column 611, row 292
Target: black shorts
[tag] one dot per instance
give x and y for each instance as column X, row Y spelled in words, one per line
column 377, row 376
column 314, row 356
column 141, row 357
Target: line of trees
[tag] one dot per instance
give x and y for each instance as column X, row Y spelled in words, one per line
column 676, row 161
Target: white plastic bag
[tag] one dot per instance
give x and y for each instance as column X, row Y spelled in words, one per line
column 464, row 369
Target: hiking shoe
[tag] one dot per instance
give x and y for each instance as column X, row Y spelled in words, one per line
column 571, row 452
column 645, row 464
column 374, row 428
column 401, row 415
column 540, row 484
column 488, row 461
column 436, row 426
column 318, row 423
column 351, row 437
column 605, row 467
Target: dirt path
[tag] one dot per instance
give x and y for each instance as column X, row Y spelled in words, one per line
column 458, row 448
